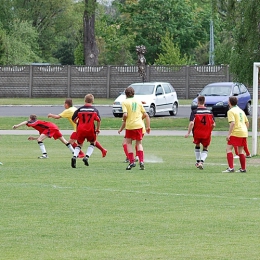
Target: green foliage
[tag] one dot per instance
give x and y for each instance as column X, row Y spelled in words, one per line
column 170, row 53
column 21, row 46
column 171, row 210
column 149, row 21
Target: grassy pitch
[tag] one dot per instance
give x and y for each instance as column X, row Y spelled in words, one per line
column 171, row 210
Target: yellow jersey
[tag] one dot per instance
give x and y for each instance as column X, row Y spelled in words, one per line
column 238, row 116
column 135, row 110
column 68, row 113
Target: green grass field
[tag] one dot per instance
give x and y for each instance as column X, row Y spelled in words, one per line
column 171, row 210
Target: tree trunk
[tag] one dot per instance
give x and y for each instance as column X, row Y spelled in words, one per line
column 89, row 41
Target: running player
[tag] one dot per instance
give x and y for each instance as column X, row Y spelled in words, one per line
column 46, row 130
column 86, row 117
column 201, row 124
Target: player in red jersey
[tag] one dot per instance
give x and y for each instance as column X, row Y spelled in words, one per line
column 45, row 129
column 201, row 124
column 86, row 117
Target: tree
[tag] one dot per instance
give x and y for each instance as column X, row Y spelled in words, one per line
column 114, row 46
column 20, row 45
column 149, row 20
column 89, row 41
column 170, row 53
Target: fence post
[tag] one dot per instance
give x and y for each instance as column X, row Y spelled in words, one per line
column 187, row 87
column 147, row 73
column 69, row 81
column 108, row 80
column 30, row 80
column 227, row 71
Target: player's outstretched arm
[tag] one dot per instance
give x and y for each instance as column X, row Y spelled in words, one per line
column 54, row 116
column 21, row 124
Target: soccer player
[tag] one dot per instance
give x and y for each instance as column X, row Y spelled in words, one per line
column 237, row 135
column 201, row 124
column 45, row 129
column 133, row 115
column 86, row 117
column 124, row 144
column 68, row 113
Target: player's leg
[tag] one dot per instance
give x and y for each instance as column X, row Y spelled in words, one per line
column 101, row 148
column 197, row 154
column 242, row 159
column 140, row 153
column 230, row 158
column 124, row 144
column 64, row 141
column 248, row 154
column 89, row 153
column 76, row 153
column 73, row 142
column 42, row 146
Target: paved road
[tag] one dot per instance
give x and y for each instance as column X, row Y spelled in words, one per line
column 105, row 111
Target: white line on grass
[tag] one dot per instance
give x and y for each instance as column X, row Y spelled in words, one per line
column 134, row 191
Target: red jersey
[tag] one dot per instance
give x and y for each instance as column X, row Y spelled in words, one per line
column 203, row 122
column 86, row 117
column 42, row 126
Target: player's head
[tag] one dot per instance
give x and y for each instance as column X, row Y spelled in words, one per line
column 89, row 98
column 68, row 102
column 201, row 100
column 33, row 117
column 232, row 101
column 129, row 92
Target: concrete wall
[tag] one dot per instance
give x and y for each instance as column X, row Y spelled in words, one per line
column 102, row 81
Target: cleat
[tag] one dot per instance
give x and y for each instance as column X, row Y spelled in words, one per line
column 126, row 160
column 73, row 162
column 104, row 153
column 85, row 160
column 236, row 157
column 130, row 166
column 200, row 165
column 1, row 163
column 43, row 157
column 141, row 166
column 249, row 156
column 240, row 170
column 229, row 170
column 136, row 158
column 197, row 165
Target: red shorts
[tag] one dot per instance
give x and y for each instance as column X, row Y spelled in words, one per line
column 204, row 141
column 134, row 134
column 237, row 141
column 74, row 136
column 55, row 134
column 89, row 136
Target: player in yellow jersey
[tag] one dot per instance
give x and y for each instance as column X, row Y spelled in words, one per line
column 133, row 115
column 237, row 135
column 68, row 113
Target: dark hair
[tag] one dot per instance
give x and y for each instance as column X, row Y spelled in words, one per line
column 129, row 92
column 68, row 101
column 201, row 100
column 233, row 101
column 33, row 117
